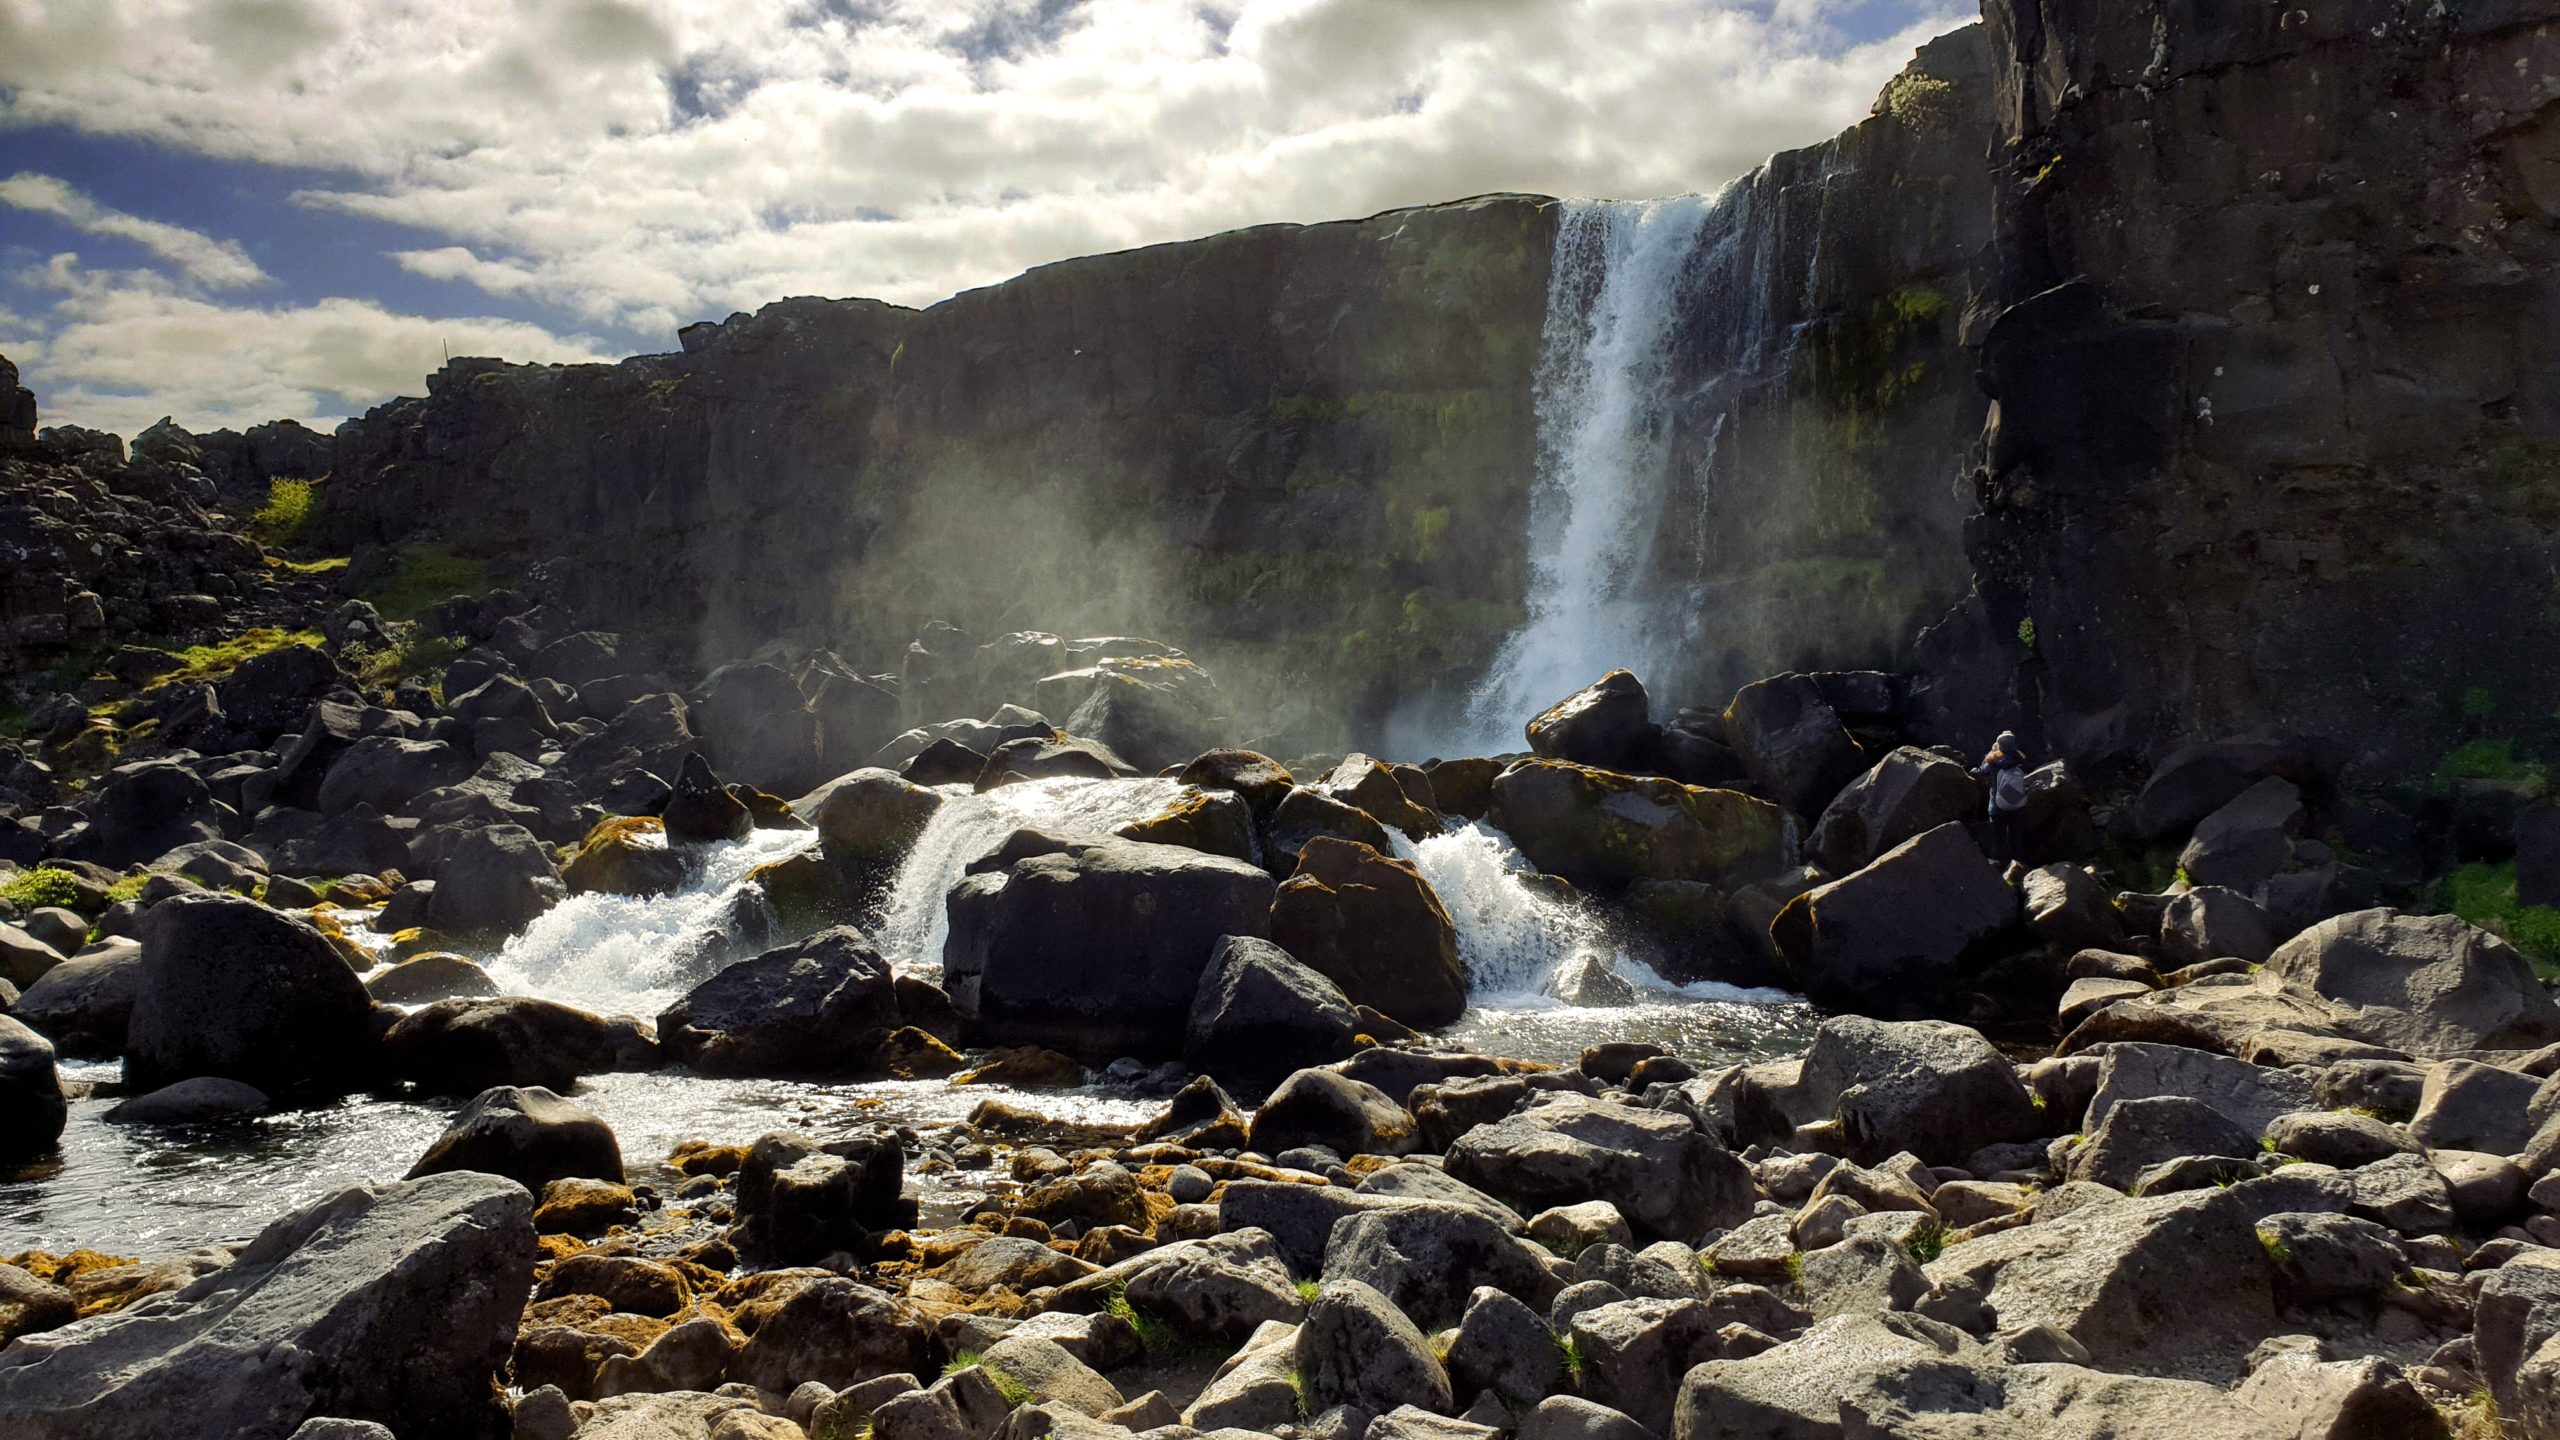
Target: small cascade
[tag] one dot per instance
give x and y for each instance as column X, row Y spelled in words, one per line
column 627, row 954
column 1511, row 937
column 912, row 921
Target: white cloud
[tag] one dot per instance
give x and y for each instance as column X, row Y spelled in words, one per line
column 218, row 264
column 647, row 162
column 123, row 348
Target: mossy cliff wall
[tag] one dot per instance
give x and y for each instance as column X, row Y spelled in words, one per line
column 1303, row 451
column 2288, row 451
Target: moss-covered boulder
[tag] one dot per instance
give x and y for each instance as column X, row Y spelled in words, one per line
column 1604, row 831
column 1214, row 822
column 625, row 855
column 1373, row 926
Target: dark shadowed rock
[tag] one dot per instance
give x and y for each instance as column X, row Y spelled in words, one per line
column 1902, row 927
column 2244, row 843
column 527, row 1134
column 1259, row 1015
column 1607, row 724
column 1097, row 948
column 1909, row 792
column 32, row 1110
column 231, row 988
column 464, row 1046
column 85, row 1004
column 387, row 772
column 818, row 1007
column 1791, row 742
column 701, row 810
column 1373, row 926
column 1305, row 814
column 2214, row 922
column 1356, row 1348
column 759, row 728
column 1261, row 780
column 145, row 809
column 497, row 881
column 1321, row 1108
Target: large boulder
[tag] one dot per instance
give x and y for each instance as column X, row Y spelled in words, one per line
column 496, row 881
column 144, row 810
column 1213, row 822
column 700, row 810
column 234, row 989
column 653, row 733
column 527, row 1134
column 1373, row 926
column 818, row 1007
column 869, row 817
column 1333, row 1112
column 1901, row 928
column 1791, row 742
column 2198, row 778
column 759, row 727
column 1604, row 831
column 1260, row 1015
column 1157, row 711
column 32, row 1110
column 1607, row 725
column 1666, row 1176
column 387, row 772
column 1398, row 797
column 393, row 1303
column 1356, row 1348
column 2243, row 844
column 2430, row 984
column 270, row 693
column 24, row 959
column 1096, row 947
column 2251, row 1096
column 1262, row 781
column 1909, row 792
column 465, row 1046
column 1428, row 1258
column 2137, row 1135
column 85, row 1004
column 1937, row 1090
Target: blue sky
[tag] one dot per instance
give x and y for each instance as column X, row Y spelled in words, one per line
column 231, row 210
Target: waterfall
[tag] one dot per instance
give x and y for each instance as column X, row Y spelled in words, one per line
column 1604, row 397
column 912, row 922
column 631, row 954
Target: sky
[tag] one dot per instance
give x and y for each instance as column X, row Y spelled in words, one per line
column 231, row 211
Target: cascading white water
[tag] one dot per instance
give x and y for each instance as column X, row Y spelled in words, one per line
column 1510, row 937
column 913, row 921
column 1604, row 400
column 624, row 954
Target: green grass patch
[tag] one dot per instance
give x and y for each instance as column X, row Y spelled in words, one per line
column 2277, row 1251
column 199, row 663
column 1154, row 1334
column 407, row 656
column 1298, row 1386
column 40, row 887
column 1927, row 1243
column 309, row 568
column 425, row 576
column 1308, row 1290
column 1569, row 1354
column 286, row 514
column 2488, row 760
column 2485, row 895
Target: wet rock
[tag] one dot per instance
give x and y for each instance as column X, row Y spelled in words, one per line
column 191, row 1101
column 759, row 728
column 1607, row 725
column 434, row 1271
column 1098, row 947
column 1262, row 781
column 624, row 855
column 1306, row 814
column 1936, row 1089
column 496, row 881
column 1667, row 1177
column 799, row 1201
column 819, row 1007
column 1397, row 797
column 1909, row 793
column 1591, row 980
column 1603, row 831
column 1791, row 742
column 1211, row 822
column 429, row 977
column 869, row 817
column 700, row 810
column 2428, row 984
column 461, row 1047
column 1373, row 926
column 1356, row 1348
column 233, row 989
column 529, row 1135
column 32, row 1109
column 1260, row 1015
column 1320, row 1107
column 85, row 1004
column 1900, row 928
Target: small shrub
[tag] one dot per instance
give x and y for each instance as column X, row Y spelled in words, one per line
column 286, row 514
column 1795, row 1267
column 2277, row 1251
column 1152, row 1333
column 425, row 576
column 1308, row 1290
column 1927, row 1243
column 2027, row 632
column 1569, row 1353
column 2485, row 895
column 1298, row 1386
column 2487, row 760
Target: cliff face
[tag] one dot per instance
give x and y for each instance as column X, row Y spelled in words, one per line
column 2288, row 451
column 1302, row 451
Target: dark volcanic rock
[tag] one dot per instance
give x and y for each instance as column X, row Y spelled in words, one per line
column 463, row 1046
column 1373, row 926
column 1607, row 725
column 529, row 1135
column 32, row 1109
column 1604, row 831
column 817, row 1007
column 1259, row 1015
column 233, row 989
column 702, row 810
column 1899, row 928
column 1791, row 742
